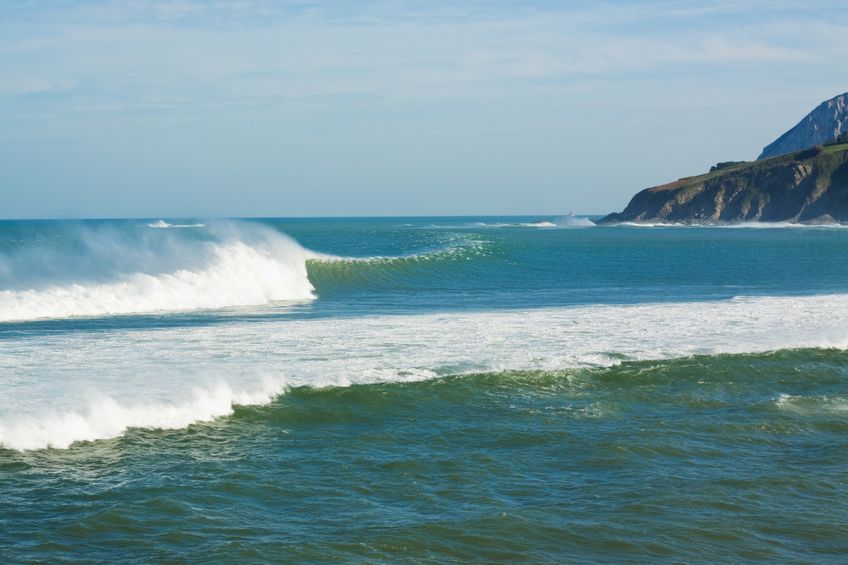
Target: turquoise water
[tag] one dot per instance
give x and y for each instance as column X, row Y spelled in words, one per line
column 422, row 389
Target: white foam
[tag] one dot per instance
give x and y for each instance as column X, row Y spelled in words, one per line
column 236, row 270
column 560, row 222
column 162, row 224
column 104, row 418
column 813, row 405
column 89, row 385
column 735, row 225
column 572, row 221
column 539, row 224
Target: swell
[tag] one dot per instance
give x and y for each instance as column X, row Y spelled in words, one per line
column 784, row 384
column 330, row 273
column 761, row 381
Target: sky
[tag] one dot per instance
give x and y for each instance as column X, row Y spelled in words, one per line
column 341, row 108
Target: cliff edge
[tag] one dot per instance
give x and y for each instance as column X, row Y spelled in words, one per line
column 809, row 186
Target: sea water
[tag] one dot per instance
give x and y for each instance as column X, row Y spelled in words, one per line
column 533, row 389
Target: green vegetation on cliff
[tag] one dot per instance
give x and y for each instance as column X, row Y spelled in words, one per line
column 810, row 186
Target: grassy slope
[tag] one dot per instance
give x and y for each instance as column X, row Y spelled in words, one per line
column 758, row 182
column 746, row 167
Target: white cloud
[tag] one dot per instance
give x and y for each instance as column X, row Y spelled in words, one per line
column 19, row 86
column 225, row 53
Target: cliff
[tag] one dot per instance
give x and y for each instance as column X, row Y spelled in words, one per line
column 809, row 186
column 826, row 122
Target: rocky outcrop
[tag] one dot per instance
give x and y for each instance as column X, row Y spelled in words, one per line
column 822, row 125
column 810, row 186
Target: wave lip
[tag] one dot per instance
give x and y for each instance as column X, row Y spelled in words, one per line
column 242, row 267
column 460, row 248
column 106, row 418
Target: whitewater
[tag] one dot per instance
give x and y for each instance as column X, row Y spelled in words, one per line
column 89, row 384
column 232, row 266
column 511, row 389
column 253, row 328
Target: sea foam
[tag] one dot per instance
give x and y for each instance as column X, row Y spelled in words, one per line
column 87, row 385
column 162, row 224
column 107, row 273
column 102, row 417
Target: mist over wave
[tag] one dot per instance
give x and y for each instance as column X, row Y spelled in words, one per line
column 88, row 271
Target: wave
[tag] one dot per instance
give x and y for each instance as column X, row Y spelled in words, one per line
column 817, row 405
column 563, row 222
column 171, row 377
column 736, row 225
column 107, row 273
column 162, row 224
column 330, row 272
column 105, row 418
column 463, row 247
column 777, row 225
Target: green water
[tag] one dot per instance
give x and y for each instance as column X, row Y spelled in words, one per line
column 708, row 459
column 451, row 391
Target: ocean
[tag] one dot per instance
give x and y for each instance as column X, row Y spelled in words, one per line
column 423, row 390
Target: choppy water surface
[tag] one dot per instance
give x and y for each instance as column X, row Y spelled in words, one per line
column 438, row 389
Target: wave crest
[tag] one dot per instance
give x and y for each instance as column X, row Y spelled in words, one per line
column 235, row 266
column 107, row 418
column 327, row 272
column 162, row 224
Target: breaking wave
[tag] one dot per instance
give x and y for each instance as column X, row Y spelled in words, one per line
column 101, row 272
column 104, row 418
column 735, row 225
column 162, row 224
column 171, row 378
column 562, row 222
column 104, row 272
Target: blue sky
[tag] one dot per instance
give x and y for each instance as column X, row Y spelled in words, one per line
column 292, row 108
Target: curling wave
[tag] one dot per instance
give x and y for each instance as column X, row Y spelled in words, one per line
column 104, row 417
column 327, row 272
column 108, row 274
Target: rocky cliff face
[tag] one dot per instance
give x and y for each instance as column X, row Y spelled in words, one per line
column 825, row 123
column 810, row 186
